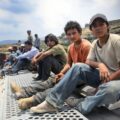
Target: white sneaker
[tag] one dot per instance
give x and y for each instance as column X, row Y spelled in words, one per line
column 114, row 106
column 44, row 107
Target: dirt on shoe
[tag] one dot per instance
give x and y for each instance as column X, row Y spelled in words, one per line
column 25, row 103
column 15, row 88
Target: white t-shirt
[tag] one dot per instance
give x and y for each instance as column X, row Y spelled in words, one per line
column 109, row 54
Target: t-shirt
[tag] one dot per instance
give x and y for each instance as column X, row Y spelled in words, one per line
column 109, row 54
column 59, row 53
column 80, row 53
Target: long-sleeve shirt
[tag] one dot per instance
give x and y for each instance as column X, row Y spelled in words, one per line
column 30, row 54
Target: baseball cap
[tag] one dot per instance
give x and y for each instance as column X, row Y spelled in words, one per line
column 102, row 16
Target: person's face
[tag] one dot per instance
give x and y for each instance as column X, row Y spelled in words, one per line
column 73, row 35
column 9, row 50
column 99, row 28
column 50, row 43
column 14, row 49
column 36, row 36
column 27, row 47
column 28, row 32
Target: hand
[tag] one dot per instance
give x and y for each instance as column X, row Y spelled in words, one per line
column 58, row 77
column 104, row 73
column 34, row 61
column 14, row 59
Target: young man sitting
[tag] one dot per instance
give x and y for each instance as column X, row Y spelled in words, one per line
column 77, row 52
column 104, row 55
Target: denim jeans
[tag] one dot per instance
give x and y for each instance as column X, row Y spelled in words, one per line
column 20, row 64
column 107, row 92
column 37, row 87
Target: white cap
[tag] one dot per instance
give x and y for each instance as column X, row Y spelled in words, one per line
column 22, row 45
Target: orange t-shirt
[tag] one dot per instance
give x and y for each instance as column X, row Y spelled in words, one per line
column 80, row 53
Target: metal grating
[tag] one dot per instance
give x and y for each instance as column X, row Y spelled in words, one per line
column 1, row 98
column 9, row 107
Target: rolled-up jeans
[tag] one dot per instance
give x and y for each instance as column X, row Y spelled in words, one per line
column 36, row 88
column 106, row 94
column 20, row 63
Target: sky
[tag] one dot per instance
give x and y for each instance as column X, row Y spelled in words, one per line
column 49, row 16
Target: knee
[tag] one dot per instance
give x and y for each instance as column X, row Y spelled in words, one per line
column 81, row 66
column 110, row 87
column 47, row 58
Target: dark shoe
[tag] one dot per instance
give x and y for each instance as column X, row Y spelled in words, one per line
column 48, row 83
column 43, row 85
column 36, row 78
column 33, row 72
column 73, row 101
column 10, row 72
column 2, row 73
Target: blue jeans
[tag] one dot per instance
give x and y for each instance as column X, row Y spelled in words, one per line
column 107, row 92
column 20, row 64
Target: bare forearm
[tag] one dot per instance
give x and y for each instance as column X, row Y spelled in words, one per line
column 65, row 69
column 42, row 56
column 38, row 55
column 93, row 64
column 115, row 75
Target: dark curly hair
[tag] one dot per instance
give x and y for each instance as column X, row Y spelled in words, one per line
column 51, row 37
column 28, row 43
column 72, row 25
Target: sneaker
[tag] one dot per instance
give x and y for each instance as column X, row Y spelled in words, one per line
column 25, row 103
column 44, row 107
column 18, row 95
column 73, row 101
column 11, row 72
column 43, row 85
column 114, row 106
column 36, row 78
column 2, row 73
column 34, row 72
column 91, row 91
column 15, row 88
